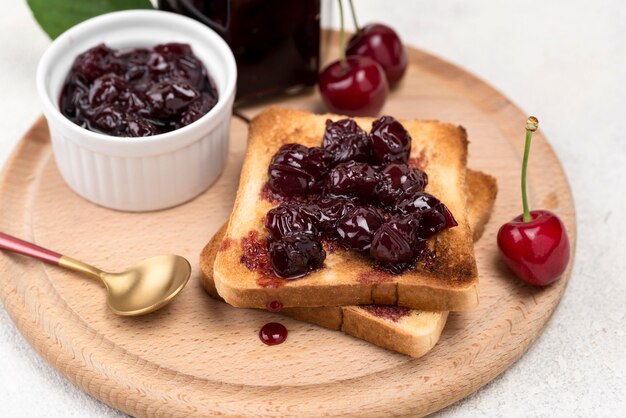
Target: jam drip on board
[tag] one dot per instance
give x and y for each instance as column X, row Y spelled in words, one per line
column 275, row 306
column 137, row 92
column 273, row 333
column 358, row 191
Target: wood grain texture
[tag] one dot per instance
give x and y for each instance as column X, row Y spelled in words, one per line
column 198, row 357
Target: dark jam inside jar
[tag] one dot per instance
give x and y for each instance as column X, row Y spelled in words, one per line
column 137, row 92
column 275, row 42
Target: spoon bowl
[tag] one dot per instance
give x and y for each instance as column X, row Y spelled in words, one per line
column 147, row 286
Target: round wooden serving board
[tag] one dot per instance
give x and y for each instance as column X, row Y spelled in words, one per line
column 201, row 357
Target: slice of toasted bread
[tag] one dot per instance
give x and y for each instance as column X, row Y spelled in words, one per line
column 411, row 332
column 348, row 279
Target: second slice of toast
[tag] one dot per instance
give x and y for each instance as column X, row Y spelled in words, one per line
column 346, row 278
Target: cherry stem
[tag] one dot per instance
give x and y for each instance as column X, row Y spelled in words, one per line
column 531, row 126
column 356, row 23
column 342, row 42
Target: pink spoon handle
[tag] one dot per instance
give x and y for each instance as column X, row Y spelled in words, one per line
column 7, row 242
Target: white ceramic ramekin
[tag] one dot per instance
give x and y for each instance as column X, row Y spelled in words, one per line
column 139, row 174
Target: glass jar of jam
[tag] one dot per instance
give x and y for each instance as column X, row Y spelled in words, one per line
column 275, row 42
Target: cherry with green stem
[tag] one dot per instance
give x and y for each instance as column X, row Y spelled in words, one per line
column 353, row 85
column 380, row 43
column 534, row 244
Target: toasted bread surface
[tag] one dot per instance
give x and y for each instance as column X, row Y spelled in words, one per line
column 414, row 332
column 482, row 190
column 348, row 279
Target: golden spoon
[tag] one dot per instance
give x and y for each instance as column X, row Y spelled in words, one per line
column 141, row 289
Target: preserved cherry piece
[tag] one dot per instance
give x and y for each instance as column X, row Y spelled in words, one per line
column 137, row 92
column 320, row 216
column 179, row 63
column 136, row 126
column 435, row 220
column 394, row 242
column 95, row 62
column 297, row 170
column 389, row 141
column 294, row 256
column 107, row 89
column 355, row 230
column 352, row 179
column 290, row 219
column 198, row 108
column 399, row 180
column 331, row 210
column 417, row 202
column 169, row 98
column 346, row 141
column 433, row 216
column 108, row 119
column 319, row 161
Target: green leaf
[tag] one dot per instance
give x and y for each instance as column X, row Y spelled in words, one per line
column 57, row 16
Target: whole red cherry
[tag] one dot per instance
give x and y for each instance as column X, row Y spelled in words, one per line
column 535, row 244
column 355, row 87
column 536, row 251
column 383, row 45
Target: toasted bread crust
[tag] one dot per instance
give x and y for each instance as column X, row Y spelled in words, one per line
column 451, row 285
column 482, row 190
column 413, row 335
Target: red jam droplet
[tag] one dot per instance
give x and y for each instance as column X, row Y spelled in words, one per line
column 273, row 333
column 275, row 306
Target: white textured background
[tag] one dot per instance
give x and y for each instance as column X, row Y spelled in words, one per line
column 563, row 60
